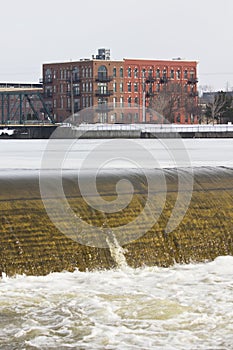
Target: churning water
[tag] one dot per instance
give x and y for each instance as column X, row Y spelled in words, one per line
column 181, row 307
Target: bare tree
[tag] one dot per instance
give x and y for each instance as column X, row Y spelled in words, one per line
column 216, row 106
column 168, row 100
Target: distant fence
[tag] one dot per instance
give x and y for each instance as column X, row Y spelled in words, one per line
column 156, row 128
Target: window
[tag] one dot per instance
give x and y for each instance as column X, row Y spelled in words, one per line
column 185, row 74
column 121, row 87
column 76, row 105
column 61, row 88
column 158, row 73
column 178, row 74
column 102, row 88
column 48, row 76
column 61, row 102
column 113, row 117
column 121, row 72
column 164, row 74
column 172, row 74
column 75, row 74
column 192, row 74
column 102, row 73
column 129, row 72
column 135, row 87
column 87, row 87
column 129, row 101
column 76, row 89
column 129, row 117
column 150, row 72
column 121, row 101
column 129, row 87
column 135, row 73
column 114, row 101
column 65, row 74
column 143, row 72
column 114, row 72
column 136, row 100
column 114, row 87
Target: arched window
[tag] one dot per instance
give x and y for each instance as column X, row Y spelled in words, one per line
column 102, row 73
column 121, row 72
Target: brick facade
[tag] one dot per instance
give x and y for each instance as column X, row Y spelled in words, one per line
column 155, row 77
column 70, row 87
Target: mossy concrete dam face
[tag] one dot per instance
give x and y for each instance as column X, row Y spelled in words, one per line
column 32, row 244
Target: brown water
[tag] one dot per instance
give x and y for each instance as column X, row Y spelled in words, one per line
column 32, row 244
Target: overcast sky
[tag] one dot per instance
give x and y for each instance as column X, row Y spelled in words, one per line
column 36, row 32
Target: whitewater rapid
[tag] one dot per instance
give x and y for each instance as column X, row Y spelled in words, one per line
column 181, row 307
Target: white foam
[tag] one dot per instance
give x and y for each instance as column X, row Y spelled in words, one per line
column 181, row 307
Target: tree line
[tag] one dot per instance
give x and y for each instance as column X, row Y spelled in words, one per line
column 173, row 99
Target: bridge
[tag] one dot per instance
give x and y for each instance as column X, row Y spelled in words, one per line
column 20, row 105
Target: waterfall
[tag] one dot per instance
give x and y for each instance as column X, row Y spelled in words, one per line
column 31, row 243
column 117, row 252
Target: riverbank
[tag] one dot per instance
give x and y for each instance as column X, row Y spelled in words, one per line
column 111, row 131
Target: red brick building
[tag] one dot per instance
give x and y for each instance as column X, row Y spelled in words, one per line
column 162, row 83
column 70, row 87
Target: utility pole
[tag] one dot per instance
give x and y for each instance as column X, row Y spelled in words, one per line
column 143, row 98
column 71, row 94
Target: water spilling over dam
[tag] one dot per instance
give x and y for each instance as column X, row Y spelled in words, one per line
column 32, row 244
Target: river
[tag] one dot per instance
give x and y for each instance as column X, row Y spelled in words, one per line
column 184, row 306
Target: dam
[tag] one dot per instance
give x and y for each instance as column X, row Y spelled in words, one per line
column 37, row 231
